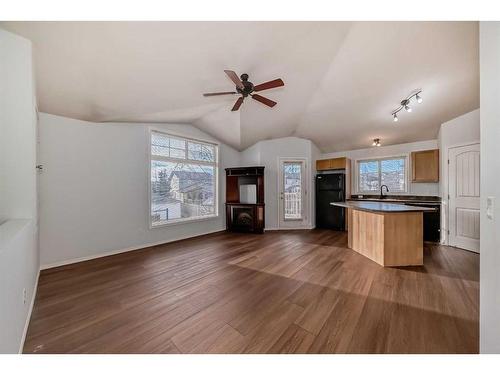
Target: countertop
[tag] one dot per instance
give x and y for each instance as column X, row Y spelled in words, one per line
column 380, row 207
column 396, row 200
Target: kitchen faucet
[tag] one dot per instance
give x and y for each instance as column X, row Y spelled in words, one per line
column 381, row 194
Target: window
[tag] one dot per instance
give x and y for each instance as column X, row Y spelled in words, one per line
column 292, row 190
column 374, row 173
column 183, row 179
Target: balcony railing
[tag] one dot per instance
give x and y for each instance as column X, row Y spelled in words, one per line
column 159, row 215
column 293, row 205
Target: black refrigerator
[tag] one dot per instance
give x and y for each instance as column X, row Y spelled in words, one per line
column 330, row 188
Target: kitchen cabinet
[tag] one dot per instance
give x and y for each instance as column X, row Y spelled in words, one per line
column 425, row 166
column 335, row 163
column 323, row 165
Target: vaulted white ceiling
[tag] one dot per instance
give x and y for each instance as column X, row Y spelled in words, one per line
column 342, row 79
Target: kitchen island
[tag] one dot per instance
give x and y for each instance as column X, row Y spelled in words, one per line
column 387, row 233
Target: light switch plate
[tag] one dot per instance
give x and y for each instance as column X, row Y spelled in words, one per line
column 490, row 207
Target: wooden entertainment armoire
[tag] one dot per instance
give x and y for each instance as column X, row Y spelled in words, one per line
column 245, row 199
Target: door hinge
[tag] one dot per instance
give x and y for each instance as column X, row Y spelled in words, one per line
column 448, row 196
column 448, row 161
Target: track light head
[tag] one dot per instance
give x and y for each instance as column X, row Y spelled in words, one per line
column 395, row 117
column 406, row 105
column 419, row 98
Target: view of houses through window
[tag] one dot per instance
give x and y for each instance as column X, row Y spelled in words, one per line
column 374, row 173
column 183, row 179
column 292, row 190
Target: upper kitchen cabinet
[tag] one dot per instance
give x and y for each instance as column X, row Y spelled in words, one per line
column 425, row 166
column 336, row 163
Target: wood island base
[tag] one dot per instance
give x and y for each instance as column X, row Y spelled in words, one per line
column 388, row 238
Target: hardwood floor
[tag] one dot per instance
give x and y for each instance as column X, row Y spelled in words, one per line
column 281, row 292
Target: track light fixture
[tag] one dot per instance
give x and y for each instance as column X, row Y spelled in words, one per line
column 376, row 142
column 405, row 103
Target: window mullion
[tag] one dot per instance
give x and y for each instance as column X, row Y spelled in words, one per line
column 379, row 173
column 184, row 161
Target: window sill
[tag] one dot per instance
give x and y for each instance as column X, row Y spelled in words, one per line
column 183, row 221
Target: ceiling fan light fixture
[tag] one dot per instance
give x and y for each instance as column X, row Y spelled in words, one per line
column 376, row 142
column 247, row 88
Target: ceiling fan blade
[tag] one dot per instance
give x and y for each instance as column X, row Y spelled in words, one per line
column 269, row 85
column 238, row 103
column 234, row 77
column 219, row 93
column 264, row 100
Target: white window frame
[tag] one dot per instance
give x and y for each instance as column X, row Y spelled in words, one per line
column 152, row 157
column 379, row 159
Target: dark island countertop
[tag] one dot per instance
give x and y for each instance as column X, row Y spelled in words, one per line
column 380, row 207
column 391, row 200
column 434, row 200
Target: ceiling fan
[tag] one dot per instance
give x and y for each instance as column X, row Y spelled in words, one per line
column 246, row 88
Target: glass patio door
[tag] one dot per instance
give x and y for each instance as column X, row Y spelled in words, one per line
column 292, row 192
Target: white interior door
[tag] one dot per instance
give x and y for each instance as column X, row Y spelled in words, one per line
column 464, row 197
column 292, row 192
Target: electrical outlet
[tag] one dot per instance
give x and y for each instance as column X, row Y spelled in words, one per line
column 25, row 296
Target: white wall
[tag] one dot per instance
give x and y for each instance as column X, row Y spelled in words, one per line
column 267, row 154
column 18, row 128
column 490, row 187
column 19, row 261
column 394, row 150
column 251, row 156
column 459, row 131
column 94, row 189
column 18, row 271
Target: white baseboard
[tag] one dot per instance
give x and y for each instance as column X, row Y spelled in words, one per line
column 114, row 252
column 28, row 317
column 307, row 227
